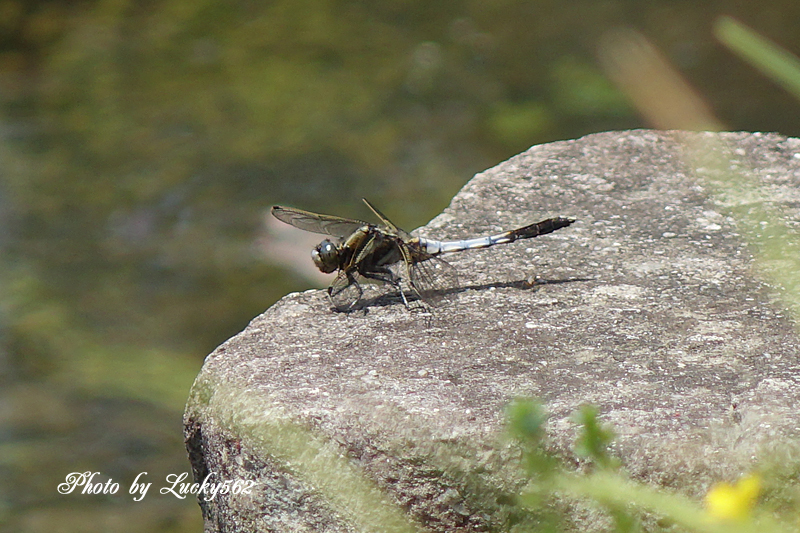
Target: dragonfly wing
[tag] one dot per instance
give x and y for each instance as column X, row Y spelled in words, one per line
column 316, row 223
column 386, row 222
column 345, row 291
column 430, row 277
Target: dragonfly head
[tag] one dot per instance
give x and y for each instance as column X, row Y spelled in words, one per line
column 326, row 256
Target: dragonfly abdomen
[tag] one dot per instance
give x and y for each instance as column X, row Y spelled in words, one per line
column 542, row 228
column 534, row 230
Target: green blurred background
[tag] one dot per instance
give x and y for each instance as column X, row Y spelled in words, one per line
column 142, row 143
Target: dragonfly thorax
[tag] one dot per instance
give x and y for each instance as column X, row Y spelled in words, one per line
column 326, row 256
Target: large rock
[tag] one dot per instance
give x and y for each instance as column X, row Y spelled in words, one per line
column 647, row 307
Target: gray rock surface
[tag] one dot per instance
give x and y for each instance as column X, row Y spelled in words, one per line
column 648, row 307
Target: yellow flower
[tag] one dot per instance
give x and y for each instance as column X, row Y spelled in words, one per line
column 733, row 502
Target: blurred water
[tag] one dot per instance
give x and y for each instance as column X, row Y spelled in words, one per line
column 142, row 145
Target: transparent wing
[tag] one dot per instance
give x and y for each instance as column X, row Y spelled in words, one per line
column 345, row 291
column 431, row 277
column 316, row 223
column 386, row 222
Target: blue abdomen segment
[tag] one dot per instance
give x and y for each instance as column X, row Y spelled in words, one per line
column 534, row 230
column 446, row 247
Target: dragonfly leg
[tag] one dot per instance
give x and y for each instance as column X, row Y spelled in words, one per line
column 403, row 296
column 387, row 276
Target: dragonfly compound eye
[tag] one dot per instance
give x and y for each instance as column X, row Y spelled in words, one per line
column 326, row 256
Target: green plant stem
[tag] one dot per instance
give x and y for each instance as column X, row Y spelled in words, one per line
column 775, row 62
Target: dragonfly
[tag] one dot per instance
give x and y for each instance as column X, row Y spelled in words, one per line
column 361, row 251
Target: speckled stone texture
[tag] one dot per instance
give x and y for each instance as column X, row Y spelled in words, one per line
column 648, row 307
